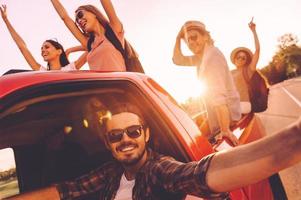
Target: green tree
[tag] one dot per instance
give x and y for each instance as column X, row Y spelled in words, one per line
column 286, row 63
column 287, row 40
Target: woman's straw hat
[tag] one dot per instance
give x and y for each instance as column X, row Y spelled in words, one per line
column 244, row 49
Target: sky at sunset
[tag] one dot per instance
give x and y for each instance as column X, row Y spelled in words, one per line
column 151, row 26
column 7, row 160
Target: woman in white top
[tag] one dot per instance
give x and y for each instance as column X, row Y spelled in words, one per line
column 52, row 51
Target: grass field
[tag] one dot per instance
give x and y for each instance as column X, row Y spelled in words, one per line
column 8, row 188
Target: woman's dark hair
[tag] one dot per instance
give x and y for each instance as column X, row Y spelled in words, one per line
column 100, row 18
column 110, row 35
column 63, row 57
column 90, row 41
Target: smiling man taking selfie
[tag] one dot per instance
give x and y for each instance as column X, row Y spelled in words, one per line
column 137, row 172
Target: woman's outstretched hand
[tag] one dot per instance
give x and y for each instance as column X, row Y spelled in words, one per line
column 252, row 25
column 3, row 11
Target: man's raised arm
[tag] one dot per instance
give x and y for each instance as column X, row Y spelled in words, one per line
column 247, row 164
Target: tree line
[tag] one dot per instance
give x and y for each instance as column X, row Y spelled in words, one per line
column 286, row 63
column 8, row 174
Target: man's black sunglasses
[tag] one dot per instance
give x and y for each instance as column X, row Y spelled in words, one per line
column 117, row 134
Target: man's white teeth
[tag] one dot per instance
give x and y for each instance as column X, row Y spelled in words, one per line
column 127, row 148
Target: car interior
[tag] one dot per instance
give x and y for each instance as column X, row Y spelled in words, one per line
column 54, row 130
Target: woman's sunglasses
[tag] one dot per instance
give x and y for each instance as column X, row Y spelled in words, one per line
column 117, row 134
column 79, row 15
column 241, row 58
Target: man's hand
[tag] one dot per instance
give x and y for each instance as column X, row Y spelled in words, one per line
column 229, row 135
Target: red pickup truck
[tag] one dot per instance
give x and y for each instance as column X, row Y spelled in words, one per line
column 47, row 127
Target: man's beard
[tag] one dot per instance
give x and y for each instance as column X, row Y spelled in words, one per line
column 130, row 162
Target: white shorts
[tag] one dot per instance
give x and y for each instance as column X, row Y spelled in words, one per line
column 245, row 107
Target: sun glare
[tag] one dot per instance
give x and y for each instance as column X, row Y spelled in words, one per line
column 202, row 87
column 190, row 89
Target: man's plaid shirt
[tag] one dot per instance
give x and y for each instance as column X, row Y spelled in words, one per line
column 161, row 177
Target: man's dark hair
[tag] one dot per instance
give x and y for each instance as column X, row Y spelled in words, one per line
column 124, row 107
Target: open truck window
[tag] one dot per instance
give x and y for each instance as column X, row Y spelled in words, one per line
column 56, row 133
column 8, row 176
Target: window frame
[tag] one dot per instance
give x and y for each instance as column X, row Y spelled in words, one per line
column 45, row 92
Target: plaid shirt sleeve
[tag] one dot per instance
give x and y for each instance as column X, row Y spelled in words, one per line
column 86, row 184
column 187, row 178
